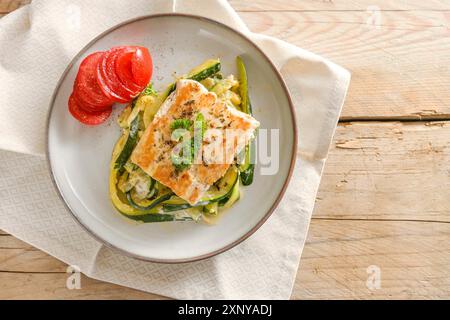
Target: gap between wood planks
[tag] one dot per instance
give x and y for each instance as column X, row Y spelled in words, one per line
column 378, row 220
column 411, row 101
column 342, row 10
column 32, row 272
column 429, row 117
column 415, row 118
column 440, row 118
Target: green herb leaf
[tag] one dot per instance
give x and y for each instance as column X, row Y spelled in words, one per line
column 149, row 90
column 181, row 124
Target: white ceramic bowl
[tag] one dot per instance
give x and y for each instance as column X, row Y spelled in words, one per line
column 79, row 155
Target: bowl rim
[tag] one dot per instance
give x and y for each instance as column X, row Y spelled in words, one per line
column 241, row 238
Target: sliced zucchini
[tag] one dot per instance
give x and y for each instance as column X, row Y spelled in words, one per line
column 247, row 168
column 243, row 87
column 195, row 213
column 129, row 145
column 171, row 207
column 142, row 103
column 130, row 167
column 152, row 192
column 208, row 83
column 201, row 72
column 211, row 209
column 122, row 120
column 224, row 186
column 224, row 85
column 150, row 218
column 147, row 205
column 233, row 97
column 152, row 108
column 119, row 200
column 123, row 183
column 205, row 70
column 248, row 172
column 234, row 196
column 152, row 215
column 142, row 184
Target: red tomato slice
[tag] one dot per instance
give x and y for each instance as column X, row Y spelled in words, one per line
column 108, row 79
column 123, row 69
column 142, row 66
column 89, row 118
column 86, row 86
column 87, row 106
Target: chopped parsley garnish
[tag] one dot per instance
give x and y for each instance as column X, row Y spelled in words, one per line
column 149, row 90
column 181, row 124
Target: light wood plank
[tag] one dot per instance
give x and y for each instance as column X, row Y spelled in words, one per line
column 400, row 69
column 375, row 170
column 387, row 170
column 414, row 258
column 53, row 286
column 338, row 5
column 28, row 273
column 19, row 257
column 7, row 6
column 302, row 5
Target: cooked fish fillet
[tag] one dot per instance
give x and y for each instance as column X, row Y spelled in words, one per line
column 228, row 131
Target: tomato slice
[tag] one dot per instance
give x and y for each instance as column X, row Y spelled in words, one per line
column 89, row 118
column 86, row 86
column 142, row 66
column 109, row 81
column 87, row 106
column 123, row 69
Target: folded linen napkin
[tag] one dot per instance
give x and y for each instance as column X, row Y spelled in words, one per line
column 39, row 40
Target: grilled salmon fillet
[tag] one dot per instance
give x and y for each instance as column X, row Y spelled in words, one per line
column 228, row 131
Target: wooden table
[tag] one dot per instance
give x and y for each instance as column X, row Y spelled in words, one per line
column 384, row 200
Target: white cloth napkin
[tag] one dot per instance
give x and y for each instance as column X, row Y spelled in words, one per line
column 36, row 44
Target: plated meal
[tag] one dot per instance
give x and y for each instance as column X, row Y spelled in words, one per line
column 183, row 152
column 146, row 124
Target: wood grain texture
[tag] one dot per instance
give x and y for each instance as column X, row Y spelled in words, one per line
column 376, row 172
column 28, row 273
column 7, row 6
column 305, row 5
column 400, row 68
column 384, row 197
column 387, row 170
column 413, row 258
column 339, row 5
column 53, row 286
column 397, row 51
